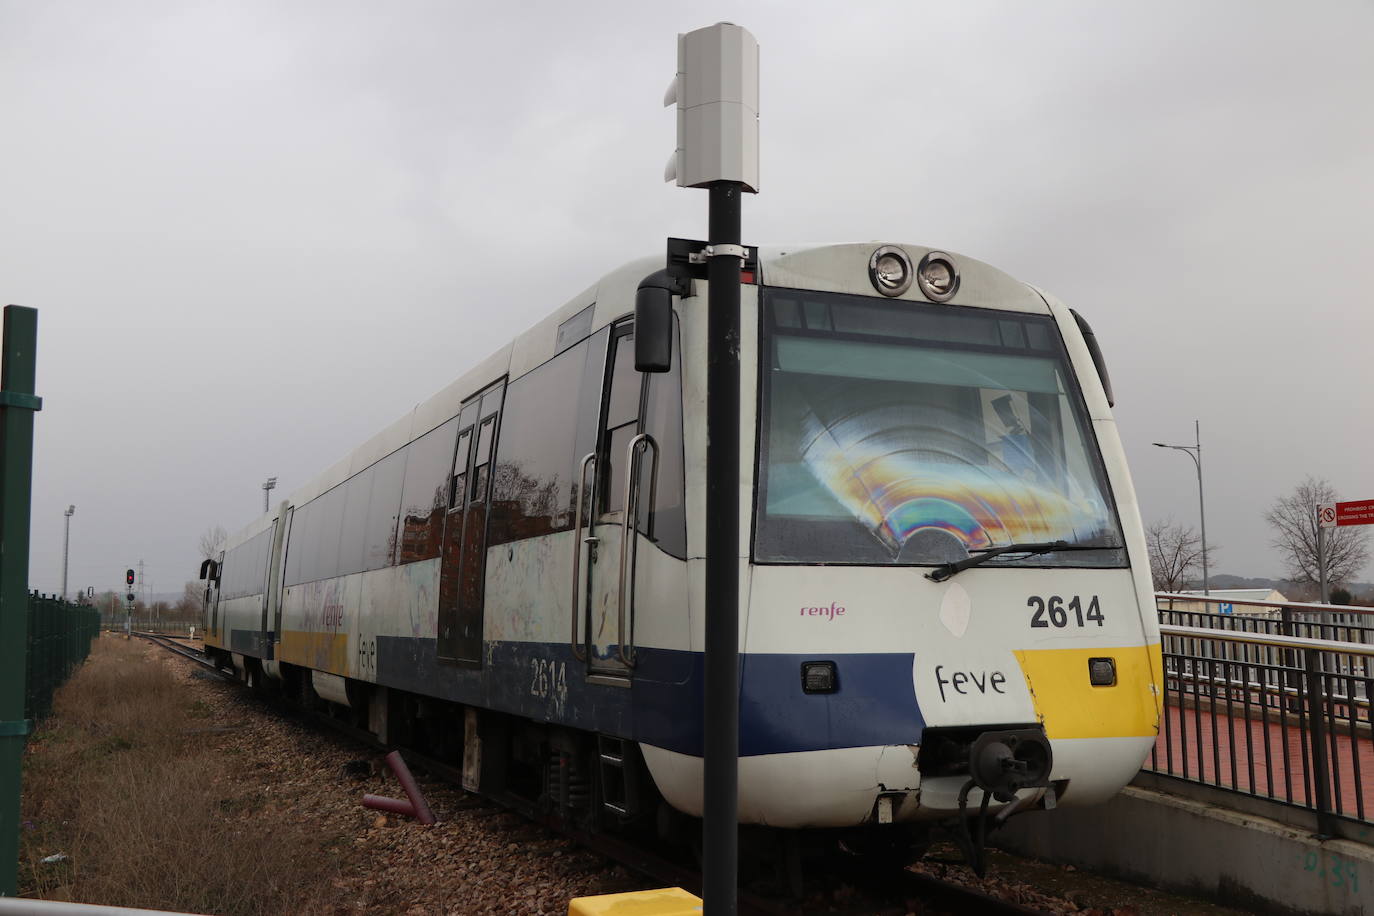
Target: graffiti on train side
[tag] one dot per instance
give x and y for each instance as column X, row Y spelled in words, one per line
column 527, row 590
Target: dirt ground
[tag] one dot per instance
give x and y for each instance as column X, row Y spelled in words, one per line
column 156, row 785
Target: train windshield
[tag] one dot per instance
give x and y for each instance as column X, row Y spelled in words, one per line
column 904, row 433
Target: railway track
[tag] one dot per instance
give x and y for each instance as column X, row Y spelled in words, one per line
column 874, row 891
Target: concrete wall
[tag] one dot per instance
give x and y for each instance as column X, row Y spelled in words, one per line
column 1193, row 847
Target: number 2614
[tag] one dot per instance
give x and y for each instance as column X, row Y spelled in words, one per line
column 1054, row 612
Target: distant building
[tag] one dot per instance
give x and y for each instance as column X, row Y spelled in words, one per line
column 1231, row 602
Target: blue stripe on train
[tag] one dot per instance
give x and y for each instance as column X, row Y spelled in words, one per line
column 875, row 703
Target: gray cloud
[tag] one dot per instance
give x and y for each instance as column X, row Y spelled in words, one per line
column 256, row 233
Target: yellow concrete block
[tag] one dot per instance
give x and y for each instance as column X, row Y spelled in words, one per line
column 666, row 901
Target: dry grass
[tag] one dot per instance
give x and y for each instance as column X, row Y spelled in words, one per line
column 127, row 781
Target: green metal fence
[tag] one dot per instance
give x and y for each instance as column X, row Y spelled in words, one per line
column 60, row 635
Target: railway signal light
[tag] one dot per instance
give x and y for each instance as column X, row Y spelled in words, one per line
column 130, row 596
column 129, row 578
column 716, row 92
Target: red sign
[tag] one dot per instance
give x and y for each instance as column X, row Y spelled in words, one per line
column 1358, row 512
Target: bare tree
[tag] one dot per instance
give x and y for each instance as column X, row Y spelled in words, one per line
column 211, row 540
column 1294, row 519
column 191, row 606
column 1175, row 554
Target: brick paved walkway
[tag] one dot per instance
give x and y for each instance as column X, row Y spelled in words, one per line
column 1264, row 759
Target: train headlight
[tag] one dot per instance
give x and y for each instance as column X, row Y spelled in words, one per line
column 1102, row 672
column 819, row 677
column 937, row 277
column 889, row 269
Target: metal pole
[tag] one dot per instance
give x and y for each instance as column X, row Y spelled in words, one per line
column 720, row 825
column 1195, row 452
column 1321, row 562
column 1201, row 508
column 66, row 544
column 17, row 407
column 1317, row 725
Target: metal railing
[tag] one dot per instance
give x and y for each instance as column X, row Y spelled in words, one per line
column 1272, row 702
column 59, row 639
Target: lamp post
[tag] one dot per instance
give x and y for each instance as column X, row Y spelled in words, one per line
column 66, row 543
column 267, row 488
column 1195, row 452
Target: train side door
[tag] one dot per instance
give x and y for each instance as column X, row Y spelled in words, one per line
column 463, row 563
column 212, row 595
column 274, row 589
column 609, row 624
column 269, row 577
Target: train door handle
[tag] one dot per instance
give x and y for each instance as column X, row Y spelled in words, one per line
column 642, row 443
column 577, row 541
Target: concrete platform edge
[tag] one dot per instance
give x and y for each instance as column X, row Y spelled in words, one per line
column 1190, row 847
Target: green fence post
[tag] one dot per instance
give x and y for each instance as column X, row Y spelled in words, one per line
column 17, row 406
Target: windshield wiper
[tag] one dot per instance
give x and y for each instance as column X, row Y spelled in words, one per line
column 941, row 573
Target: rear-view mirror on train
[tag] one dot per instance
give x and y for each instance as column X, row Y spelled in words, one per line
column 653, row 329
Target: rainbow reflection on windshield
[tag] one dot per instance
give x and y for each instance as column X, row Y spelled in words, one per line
column 900, row 478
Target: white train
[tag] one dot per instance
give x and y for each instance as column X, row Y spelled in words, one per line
column 470, row 579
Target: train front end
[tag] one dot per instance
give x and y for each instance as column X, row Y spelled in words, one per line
column 947, row 594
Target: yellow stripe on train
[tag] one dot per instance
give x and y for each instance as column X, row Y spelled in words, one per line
column 322, row 651
column 1069, row 706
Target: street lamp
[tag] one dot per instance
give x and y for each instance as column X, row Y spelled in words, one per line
column 267, row 488
column 66, row 542
column 1195, row 452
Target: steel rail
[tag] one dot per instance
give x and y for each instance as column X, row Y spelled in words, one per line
column 167, row 642
column 1363, row 650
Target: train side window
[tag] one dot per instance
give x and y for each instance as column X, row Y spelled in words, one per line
column 383, row 508
column 460, row 469
column 300, row 527
column 622, row 420
column 328, row 534
column 357, row 493
column 482, row 462
column 423, row 494
column 665, row 521
column 625, row 383
column 536, row 459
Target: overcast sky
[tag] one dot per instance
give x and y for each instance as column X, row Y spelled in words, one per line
column 256, row 233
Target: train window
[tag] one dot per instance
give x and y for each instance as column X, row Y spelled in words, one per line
column 574, row 330
column 914, row 323
column 357, row 493
column 379, row 541
column 481, row 467
column 665, row 520
column 296, row 537
column 536, row 458
column 1013, row 333
column 787, row 313
column 618, row 440
column 625, row 384
column 622, row 421
column 817, row 315
column 913, row 434
column 491, row 401
column 328, row 529
column 245, row 567
column 423, row 495
column 460, row 468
